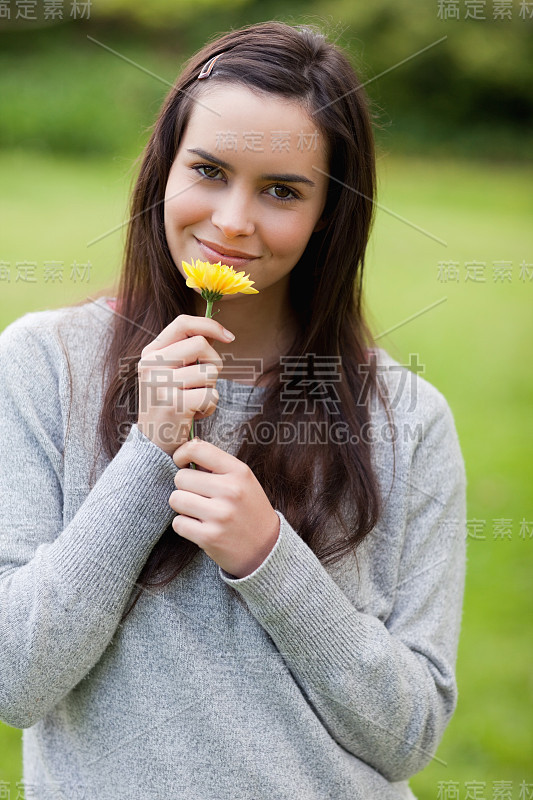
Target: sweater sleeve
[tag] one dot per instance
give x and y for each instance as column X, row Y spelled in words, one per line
column 63, row 589
column 384, row 691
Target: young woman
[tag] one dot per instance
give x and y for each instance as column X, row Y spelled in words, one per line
column 282, row 621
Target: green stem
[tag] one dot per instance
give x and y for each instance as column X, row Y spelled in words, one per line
column 208, row 313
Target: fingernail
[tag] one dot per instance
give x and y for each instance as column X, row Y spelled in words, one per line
column 228, row 335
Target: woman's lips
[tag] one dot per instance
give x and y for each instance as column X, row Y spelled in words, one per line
column 213, row 256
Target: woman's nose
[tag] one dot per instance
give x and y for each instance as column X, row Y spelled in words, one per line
column 232, row 215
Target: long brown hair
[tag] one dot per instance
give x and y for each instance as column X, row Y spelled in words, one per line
column 296, row 62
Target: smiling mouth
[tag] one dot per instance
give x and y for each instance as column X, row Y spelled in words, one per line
column 233, row 255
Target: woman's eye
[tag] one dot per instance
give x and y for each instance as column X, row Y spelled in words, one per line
column 208, row 168
column 291, row 194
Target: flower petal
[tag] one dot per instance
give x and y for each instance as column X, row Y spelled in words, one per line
column 219, row 278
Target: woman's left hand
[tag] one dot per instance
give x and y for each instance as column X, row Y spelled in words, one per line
column 224, row 510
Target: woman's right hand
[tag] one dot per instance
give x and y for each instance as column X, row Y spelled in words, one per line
column 186, row 388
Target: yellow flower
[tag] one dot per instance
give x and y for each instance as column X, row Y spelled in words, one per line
column 216, row 280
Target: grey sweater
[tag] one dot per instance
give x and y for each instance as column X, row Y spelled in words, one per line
column 316, row 682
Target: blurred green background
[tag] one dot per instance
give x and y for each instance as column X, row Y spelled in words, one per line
column 449, row 271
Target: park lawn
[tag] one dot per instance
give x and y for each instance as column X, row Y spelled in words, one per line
column 474, row 344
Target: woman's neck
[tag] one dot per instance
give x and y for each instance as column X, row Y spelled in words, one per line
column 263, row 332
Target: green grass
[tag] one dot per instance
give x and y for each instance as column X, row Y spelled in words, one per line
column 475, row 346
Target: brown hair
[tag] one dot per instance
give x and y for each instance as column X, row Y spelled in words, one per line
column 295, row 62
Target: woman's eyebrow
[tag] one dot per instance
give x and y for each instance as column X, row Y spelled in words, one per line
column 285, row 177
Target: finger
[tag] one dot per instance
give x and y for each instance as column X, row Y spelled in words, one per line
column 176, row 387
column 189, row 504
column 189, row 528
column 203, row 399
column 194, row 376
column 184, row 326
column 184, row 353
column 205, row 454
column 198, row 481
column 194, row 348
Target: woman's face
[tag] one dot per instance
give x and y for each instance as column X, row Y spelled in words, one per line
column 243, row 188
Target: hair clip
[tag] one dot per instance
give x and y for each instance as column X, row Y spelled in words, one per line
column 207, row 67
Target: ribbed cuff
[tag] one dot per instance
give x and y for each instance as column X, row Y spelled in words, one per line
column 104, row 547
column 299, row 604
